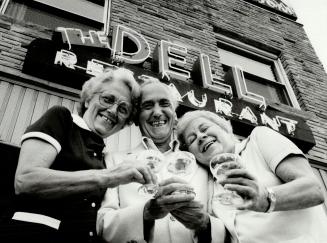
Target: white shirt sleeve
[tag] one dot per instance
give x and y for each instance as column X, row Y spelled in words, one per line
column 273, row 146
column 115, row 224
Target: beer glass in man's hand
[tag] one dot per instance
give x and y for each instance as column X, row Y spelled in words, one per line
column 155, row 160
column 181, row 164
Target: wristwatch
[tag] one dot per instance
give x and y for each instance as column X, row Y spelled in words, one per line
column 271, row 199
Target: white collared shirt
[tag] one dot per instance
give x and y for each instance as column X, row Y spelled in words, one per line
column 79, row 121
column 149, row 144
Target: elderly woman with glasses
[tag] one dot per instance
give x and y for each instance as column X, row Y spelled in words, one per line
column 61, row 175
column 279, row 190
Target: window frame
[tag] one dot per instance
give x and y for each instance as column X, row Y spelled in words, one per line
column 105, row 19
column 267, row 57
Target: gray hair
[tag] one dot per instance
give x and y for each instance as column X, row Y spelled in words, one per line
column 94, row 84
column 186, row 119
column 150, row 80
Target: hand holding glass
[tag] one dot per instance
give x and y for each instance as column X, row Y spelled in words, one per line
column 153, row 159
column 218, row 167
column 181, row 164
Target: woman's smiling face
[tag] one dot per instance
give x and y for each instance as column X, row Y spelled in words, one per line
column 205, row 139
column 107, row 121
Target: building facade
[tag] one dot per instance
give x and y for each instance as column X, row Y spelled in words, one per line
column 249, row 60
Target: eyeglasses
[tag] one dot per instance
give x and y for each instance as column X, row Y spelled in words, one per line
column 123, row 107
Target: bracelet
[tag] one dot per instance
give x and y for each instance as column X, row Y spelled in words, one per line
column 271, row 197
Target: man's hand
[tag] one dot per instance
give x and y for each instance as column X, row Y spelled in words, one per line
column 192, row 216
column 165, row 200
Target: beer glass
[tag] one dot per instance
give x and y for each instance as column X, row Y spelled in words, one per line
column 218, row 168
column 181, row 164
column 155, row 160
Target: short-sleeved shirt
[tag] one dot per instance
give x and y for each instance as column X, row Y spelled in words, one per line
column 261, row 153
column 78, row 149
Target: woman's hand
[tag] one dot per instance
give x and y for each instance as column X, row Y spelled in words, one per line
column 248, row 187
column 166, row 200
column 299, row 189
column 228, row 160
column 237, row 178
column 127, row 172
column 192, row 216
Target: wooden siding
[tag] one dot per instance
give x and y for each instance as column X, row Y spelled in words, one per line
column 20, row 106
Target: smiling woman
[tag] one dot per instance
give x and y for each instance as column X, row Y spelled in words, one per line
column 61, row 176
column 211, row 132
column 104, row 115
column 205, row 139
column 270, row 173
column 94, row 86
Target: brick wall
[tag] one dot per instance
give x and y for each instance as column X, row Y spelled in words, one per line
column 193, row 24
column 14, row 38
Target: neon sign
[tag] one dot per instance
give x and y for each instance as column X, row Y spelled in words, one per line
column 170, row 60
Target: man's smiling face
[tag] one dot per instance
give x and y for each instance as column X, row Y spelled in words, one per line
column 157, row 114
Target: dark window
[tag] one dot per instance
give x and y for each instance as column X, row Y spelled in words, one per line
column 80, row 14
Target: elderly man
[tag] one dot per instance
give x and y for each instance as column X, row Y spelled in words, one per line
column 168, row 216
